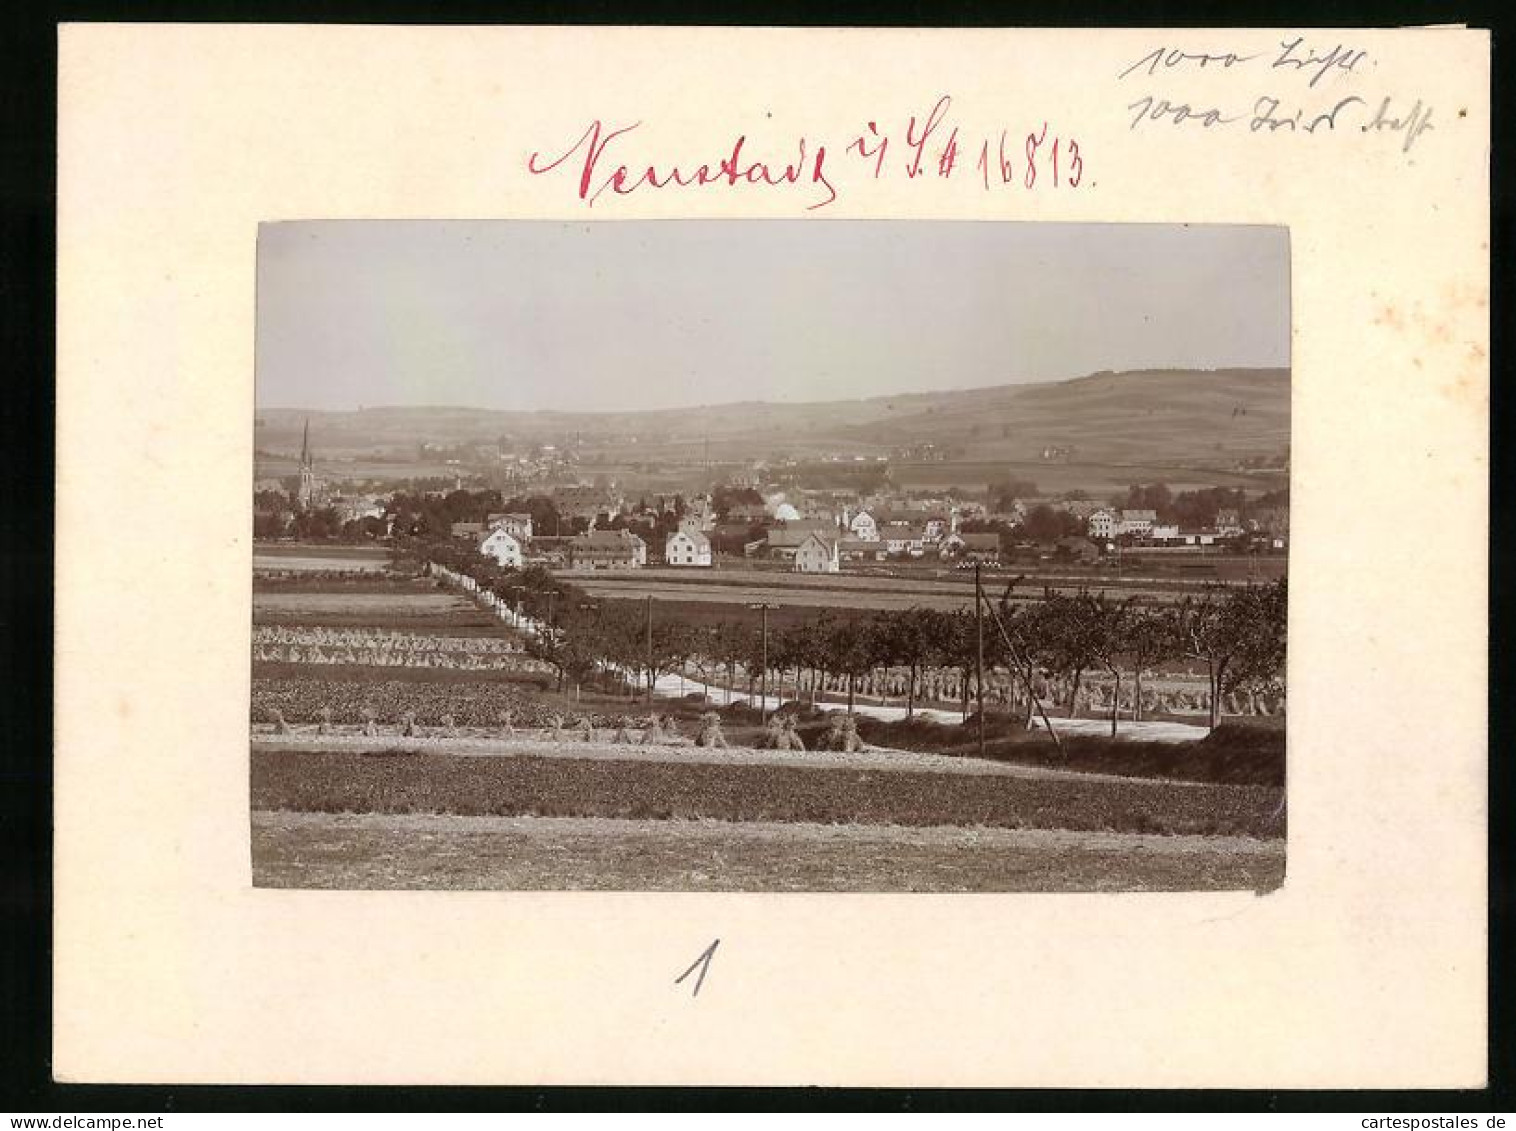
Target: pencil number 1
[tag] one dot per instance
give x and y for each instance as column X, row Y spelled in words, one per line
column 703, row 964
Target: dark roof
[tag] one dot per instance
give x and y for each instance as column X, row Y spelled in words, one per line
column 983, row 540
column 606, row 539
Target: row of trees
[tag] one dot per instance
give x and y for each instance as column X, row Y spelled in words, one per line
column 1237, row 635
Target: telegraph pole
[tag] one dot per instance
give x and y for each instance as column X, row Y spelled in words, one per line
column 584, row 607
column 979, row 653
column 764, row 674
column 649, row 649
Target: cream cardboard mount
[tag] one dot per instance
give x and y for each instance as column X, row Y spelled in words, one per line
column 1366, row 969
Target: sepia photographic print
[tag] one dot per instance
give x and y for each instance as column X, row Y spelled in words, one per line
column 862, row 556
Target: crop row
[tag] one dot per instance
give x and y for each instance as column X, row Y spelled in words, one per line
column 475, row 703
column 384, row 639
column 559, row 787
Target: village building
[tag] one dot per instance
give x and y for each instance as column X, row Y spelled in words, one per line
column 904, row 538
column 749, row 513
column 1228, row 523
column 863, row 527
column 551, row 552
column 693, row 523
column 1102, row 524
column 351, row 508
column 1012, row 515
column 607, row 549
column 504, row 547
column 684, row 548
column 782, row 543
column 585, row 502
column 818, row 554
column 518, row 526
column 1203, row 537
column 933, row 527
column 861, row 550
column 785, row 539
column 1136, row 522
column 980, row 547
column 1079, row 549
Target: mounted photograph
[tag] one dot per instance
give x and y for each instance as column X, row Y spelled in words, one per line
column 752, row 555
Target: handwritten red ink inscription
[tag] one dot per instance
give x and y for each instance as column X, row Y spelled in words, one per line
column 929, row 145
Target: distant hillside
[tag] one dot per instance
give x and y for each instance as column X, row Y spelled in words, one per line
column 1185, row 418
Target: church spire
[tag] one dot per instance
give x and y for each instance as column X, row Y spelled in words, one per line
column 308, row 491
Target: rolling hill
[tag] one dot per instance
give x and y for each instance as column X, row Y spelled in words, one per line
column 1195, row 420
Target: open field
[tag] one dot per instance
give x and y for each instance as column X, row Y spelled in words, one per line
column 410, row 606
column 392, row 782
column 362, row 468
column 630, row 586
column 1099, row 479
column 362, row 604
column 688, row 595
column 478, row 743
column 472, row 698
column 379, row 852
column 923, row 575
column 318, row 557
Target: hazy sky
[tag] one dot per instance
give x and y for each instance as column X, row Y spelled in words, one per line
column 600, row 316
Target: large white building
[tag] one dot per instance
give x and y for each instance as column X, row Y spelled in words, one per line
column 818, row 554
column 686, row 548
column 607, row 549
column 503, row 546
column 1138, row 522
column 864, row 528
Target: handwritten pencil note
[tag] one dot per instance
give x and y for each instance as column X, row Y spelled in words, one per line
column 1297, row 87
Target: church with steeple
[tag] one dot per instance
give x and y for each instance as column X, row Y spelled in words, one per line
column 310, row 493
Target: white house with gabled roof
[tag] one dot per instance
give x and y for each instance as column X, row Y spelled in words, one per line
column 818, row 553
column 863, row 527
column 686, row 548
column 503, row 546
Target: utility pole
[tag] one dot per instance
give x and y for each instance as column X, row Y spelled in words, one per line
column 763, row 613
column 584, row 607
column 649, row 649
column 979, row 653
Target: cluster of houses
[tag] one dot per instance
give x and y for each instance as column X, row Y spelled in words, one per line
column 820, row 545
column 1142, row 528
column 510, row 540
column 807, row 545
